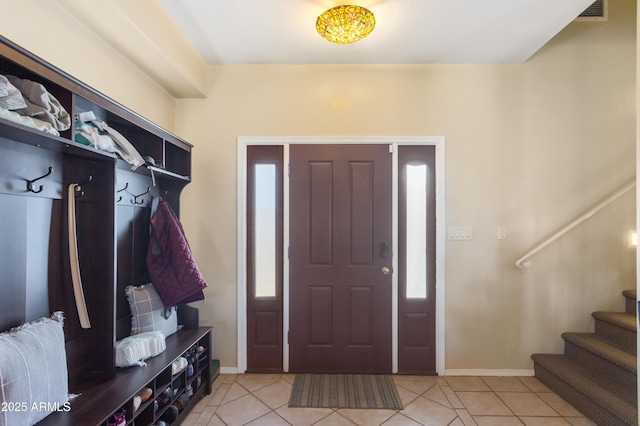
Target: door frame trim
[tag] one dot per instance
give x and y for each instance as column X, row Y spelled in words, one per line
column 392, row 141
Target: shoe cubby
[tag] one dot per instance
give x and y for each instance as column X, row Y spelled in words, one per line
column 121, row 417
column 175, row 394
column 168, row 399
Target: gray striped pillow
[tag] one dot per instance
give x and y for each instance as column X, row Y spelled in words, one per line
column 146, row 311
column 33, row 372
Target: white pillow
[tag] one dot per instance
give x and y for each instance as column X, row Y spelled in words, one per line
column 33, row 372
column 147, row 309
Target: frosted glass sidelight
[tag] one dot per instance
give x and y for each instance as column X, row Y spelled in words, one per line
column 264, row 225
column 416, row 248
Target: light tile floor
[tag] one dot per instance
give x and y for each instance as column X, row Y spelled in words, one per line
column 262, row 399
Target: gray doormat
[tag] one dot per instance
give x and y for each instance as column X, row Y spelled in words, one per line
column 345, row 391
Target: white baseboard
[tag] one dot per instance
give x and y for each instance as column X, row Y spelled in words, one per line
column 451, row 372
column 482, row 372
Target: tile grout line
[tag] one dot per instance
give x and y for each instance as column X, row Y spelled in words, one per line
column 461, row 411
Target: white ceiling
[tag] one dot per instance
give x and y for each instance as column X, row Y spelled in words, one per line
column 407, row 31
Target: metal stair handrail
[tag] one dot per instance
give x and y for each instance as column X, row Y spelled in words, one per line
column 525, row 261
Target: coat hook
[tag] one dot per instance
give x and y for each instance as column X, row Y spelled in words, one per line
column 79, row 191
column 135, row 197
column 126, row 185
column 30, row 186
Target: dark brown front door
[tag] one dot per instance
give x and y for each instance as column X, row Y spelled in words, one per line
column 340, row 249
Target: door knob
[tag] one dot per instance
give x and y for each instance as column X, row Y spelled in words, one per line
column 385, row 270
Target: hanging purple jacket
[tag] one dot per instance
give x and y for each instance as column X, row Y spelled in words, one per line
column 173, row 270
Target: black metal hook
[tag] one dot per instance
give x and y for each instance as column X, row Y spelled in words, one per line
column 126, row 185
column 135, row 197
column 30, row 186
column 78, row 186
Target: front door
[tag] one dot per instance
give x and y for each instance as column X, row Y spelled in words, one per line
column 340, row 258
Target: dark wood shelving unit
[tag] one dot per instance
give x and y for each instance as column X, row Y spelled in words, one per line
column 113, row 231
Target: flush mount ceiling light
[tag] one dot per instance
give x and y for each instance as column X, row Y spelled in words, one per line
column 345, row 24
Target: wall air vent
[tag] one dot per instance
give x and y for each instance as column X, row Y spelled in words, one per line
column 596, row 12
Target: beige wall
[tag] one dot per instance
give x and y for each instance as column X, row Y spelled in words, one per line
column 528, row 146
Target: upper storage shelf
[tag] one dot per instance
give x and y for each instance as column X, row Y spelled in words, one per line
column 171, row 154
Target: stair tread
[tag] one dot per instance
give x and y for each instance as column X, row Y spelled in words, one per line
column 604, row 348
column 621, row 319
column 595, row 387
column 631, row 294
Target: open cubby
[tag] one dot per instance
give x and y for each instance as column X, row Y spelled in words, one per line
column 170, row 153
column 112, row 217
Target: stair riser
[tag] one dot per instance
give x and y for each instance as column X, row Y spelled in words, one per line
column 630, row 297
column 626, row 385
column 585, row 405
column 621, row 336
column 630, row 306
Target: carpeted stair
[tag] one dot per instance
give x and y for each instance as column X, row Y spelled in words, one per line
column 597, row 373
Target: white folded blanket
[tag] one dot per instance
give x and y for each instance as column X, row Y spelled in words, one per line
column 133, row 350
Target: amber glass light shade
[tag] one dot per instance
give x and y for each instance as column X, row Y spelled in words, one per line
column 345, row 24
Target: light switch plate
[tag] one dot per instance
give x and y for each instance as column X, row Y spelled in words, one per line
column 460, row 233
column 502, row 232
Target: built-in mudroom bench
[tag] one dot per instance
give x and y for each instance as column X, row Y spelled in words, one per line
column 98, row 403
column 75, row 222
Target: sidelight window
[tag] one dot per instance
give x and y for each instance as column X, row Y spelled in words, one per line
column 264, row 225
column 416, row 231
